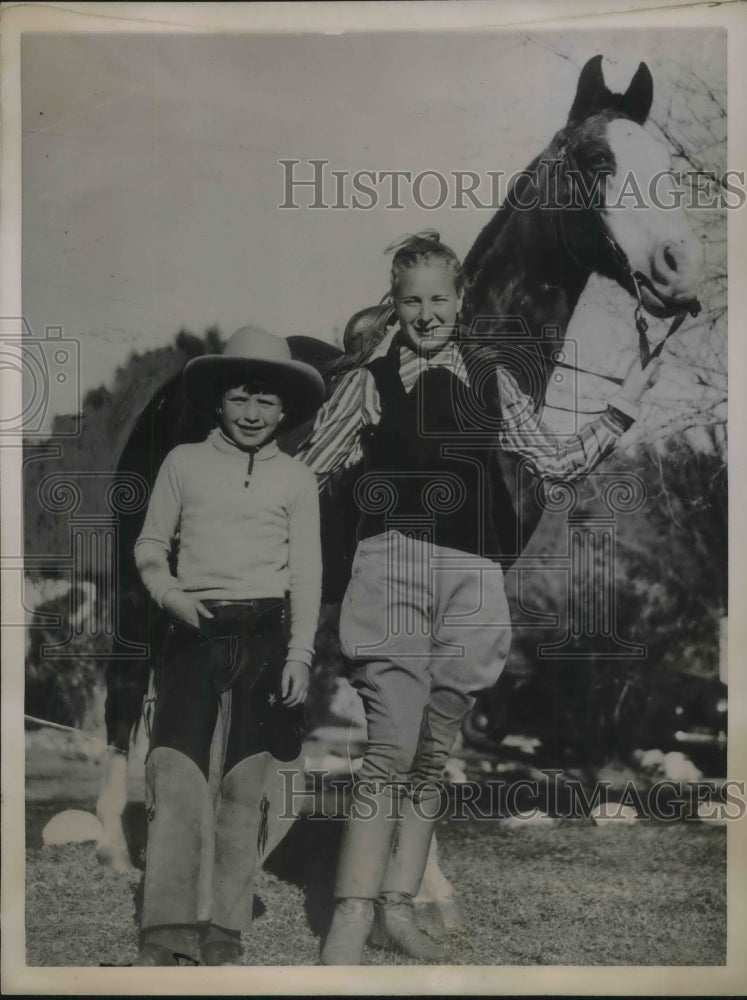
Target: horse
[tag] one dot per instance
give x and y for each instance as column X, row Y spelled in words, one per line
column 524, row 274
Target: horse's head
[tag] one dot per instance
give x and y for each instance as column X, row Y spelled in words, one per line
column 627, row 175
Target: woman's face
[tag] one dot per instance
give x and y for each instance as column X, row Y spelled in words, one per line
column 427, row 305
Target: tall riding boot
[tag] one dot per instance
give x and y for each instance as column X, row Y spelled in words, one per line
column 394, row 922
column 363, row 859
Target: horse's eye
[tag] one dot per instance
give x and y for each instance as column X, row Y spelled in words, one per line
column 600, row 164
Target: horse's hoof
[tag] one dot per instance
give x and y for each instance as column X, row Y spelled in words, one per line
column 451, row 915
column 116, row 858
column 428, row 918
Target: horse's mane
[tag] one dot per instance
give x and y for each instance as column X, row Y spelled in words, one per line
column 491, row 229
column 533, row 172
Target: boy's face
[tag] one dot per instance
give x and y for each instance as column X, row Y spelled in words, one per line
column 250, row 415
column 427, row 304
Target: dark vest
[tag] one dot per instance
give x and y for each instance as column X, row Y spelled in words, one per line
column 431, row 470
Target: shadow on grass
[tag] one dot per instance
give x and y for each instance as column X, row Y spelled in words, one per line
column 135, row 825
column 306, row 858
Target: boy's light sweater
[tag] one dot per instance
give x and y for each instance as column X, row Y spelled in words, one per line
column 236, row 541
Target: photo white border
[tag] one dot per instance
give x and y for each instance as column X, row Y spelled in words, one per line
column 338, row 18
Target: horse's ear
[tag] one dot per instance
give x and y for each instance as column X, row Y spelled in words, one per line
column 591, row 93
column 639, row 96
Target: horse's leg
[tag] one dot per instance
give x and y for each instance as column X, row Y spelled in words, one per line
column 112, row 848
column 126, row 682
column 436, row 906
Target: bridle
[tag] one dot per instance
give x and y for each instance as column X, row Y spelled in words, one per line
column 633, row 281
column 627, row 277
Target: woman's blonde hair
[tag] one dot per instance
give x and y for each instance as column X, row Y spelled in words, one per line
column 423, row 248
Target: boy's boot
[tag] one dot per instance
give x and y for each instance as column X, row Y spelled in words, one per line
column 221, row 947
column 394, row 922
column 169, row 946
column 364, row 854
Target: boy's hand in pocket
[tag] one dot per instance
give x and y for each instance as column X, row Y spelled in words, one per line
column 294, row 683
column 185, row 607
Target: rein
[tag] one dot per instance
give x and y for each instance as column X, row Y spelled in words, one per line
column 646, row 353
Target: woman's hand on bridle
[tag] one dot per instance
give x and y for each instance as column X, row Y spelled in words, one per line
column 639, row 379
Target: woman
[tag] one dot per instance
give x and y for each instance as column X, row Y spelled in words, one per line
column 424, row 619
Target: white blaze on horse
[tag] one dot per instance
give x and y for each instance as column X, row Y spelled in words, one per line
column 532, row 261
column 49, row 591
column 49, row 603
column 669, row 267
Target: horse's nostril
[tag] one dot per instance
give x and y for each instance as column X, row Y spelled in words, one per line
column 670, row 258
column 676, row 267
column 669, row 263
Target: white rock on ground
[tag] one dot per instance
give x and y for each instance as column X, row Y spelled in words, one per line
column 454, row 771
column 713, row 813
column 73, row 826
column 531, row 817
column 525, row 744
column 678, row 767
column 675, row 765
column 650, row 760
column 614, row 813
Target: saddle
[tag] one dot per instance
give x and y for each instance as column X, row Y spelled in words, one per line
column 364, row 331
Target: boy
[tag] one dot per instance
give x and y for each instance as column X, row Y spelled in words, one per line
column 230, row 682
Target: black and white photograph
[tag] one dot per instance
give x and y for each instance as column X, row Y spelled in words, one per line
column 368, row 567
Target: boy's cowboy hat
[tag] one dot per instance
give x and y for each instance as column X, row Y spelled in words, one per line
column 251, row 355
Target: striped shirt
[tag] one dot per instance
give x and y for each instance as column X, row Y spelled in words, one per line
column 335, row 442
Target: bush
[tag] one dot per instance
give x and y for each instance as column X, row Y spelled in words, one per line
column 60, row 685
column 670, row 576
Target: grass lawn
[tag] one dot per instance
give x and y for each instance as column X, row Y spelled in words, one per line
column 572, row 894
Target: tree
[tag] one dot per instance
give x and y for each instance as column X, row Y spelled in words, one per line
column 107, row 413
column 59, row 685
column 670, row 587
